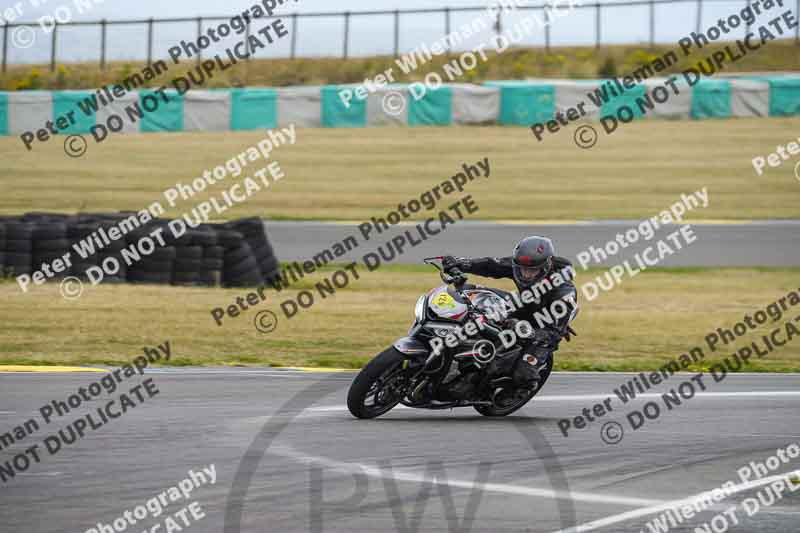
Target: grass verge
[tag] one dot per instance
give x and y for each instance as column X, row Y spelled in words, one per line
column 639, row 325
column 634, row 173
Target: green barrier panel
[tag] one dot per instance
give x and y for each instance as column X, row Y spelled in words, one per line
column 626, row 98
column 784, row 97
column 160, row 114
column 335, row 114
column 523, row 105
column 253, row 109
column 64, row 103
column 434, row 108
column 711, row 99
column 3, row 114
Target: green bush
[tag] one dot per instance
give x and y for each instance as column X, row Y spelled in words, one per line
column 608, row 69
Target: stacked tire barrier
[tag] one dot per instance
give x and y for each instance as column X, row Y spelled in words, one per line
column 231, row 254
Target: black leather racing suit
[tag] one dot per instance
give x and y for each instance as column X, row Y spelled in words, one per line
column 556, row 285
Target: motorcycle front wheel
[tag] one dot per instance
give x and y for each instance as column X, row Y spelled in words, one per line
column 379, row 386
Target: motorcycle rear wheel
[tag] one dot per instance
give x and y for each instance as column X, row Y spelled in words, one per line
column 379, row 386
column 493, row 410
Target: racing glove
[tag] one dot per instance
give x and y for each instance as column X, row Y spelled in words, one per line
column 449, row 262
column 546, row 338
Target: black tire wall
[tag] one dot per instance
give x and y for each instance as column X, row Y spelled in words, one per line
column 232, row 254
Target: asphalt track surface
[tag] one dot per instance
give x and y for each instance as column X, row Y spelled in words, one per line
column 760, row 244
column 315, row 468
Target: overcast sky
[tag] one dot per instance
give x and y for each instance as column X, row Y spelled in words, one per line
column 324, row 36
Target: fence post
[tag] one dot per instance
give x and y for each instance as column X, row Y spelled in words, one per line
column 797, row 28
column 247, row 40
column 199, row 33
column 53, row 47
column 103, row 44
column 447, row 27
column 546, row 10
column 149, row 42
column 652, row 23
column 293, row 51
column 5, row 46
column 248, row 52
column 699, row 18
column 748, row 24
column 397, row 32
column 597, row 26
column 346, row 32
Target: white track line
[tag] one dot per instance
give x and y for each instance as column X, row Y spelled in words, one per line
column 576, row 398
column 653, row 506
column 199, row 371
column 279, row 373
column 718, row 435
column 682, row 373
column 220, row 371
column 639, row 513
column 504, row 488
column 733, row 394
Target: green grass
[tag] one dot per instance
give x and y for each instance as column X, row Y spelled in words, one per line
column 355, row 174
column 515, row 63
column 640, row 325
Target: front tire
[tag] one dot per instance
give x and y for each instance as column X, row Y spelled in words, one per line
column 379, row 386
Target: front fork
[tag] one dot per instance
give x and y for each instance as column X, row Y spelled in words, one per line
column 418, row 358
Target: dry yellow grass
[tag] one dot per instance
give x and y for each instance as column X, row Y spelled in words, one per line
column 644, row 322
column 515, row 63
column 356, row 174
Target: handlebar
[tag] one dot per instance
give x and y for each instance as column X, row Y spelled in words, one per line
column 454, row 276
column 430, row 261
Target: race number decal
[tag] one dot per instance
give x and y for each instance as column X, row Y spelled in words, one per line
column 444, row 300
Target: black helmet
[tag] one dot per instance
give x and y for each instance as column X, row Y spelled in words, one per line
column 532, row 260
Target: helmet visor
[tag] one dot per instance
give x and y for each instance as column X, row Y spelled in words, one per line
column 529, row 274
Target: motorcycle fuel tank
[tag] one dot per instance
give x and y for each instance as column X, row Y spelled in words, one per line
column 442, row 304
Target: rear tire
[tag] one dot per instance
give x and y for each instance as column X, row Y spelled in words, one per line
column 504, row 411
column 384, row 370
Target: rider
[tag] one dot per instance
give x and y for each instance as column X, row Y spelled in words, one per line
column 534, row 267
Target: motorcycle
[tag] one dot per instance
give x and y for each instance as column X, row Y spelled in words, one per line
column 473, row 368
